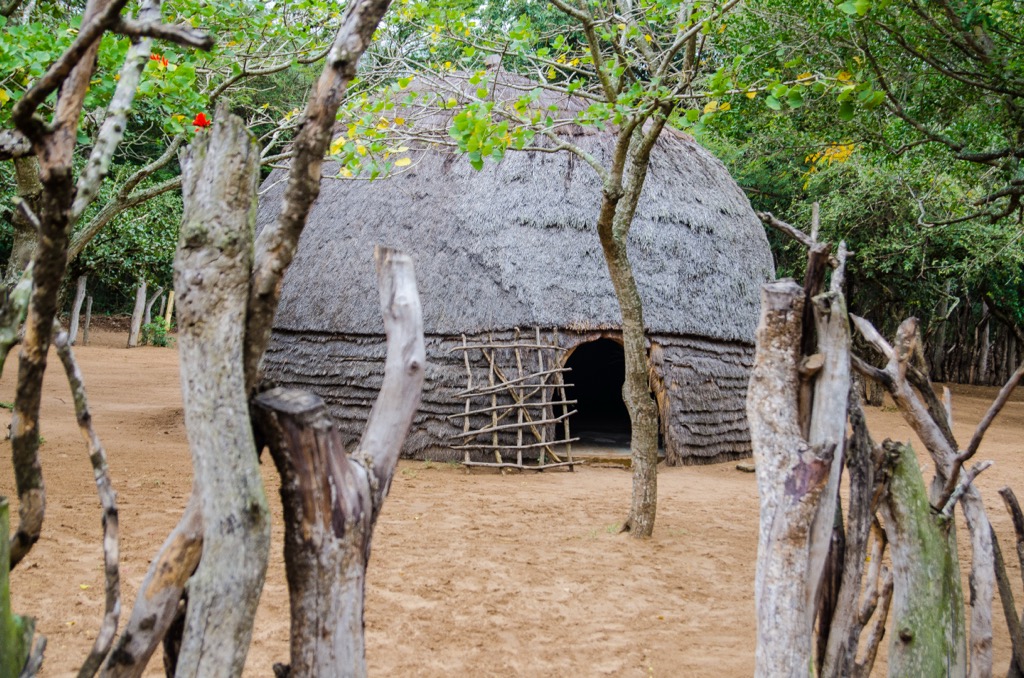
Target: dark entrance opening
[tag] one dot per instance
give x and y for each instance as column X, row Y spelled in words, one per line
column 598, row 372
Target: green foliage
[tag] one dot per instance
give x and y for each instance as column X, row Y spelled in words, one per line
column 157, row 333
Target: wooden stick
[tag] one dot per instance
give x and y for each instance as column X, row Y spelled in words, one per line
column 523, row 467
column 563, row 402
column 518, row 425
column 544, row 409
column 506, row 382
column 520, row 409
column 525, row 446
column 108, row 500
column 506, row 406
column 1013, row 621
column 494, row 402
column 1018, row 526
column 469, row 387
column 947, row 508
column 505, row 346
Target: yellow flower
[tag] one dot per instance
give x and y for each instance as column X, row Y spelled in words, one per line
column 647, row 37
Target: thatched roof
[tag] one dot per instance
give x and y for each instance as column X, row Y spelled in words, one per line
column 516, row 244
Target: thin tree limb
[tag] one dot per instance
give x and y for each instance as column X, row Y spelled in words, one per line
column 275, row 248
column 108, row 500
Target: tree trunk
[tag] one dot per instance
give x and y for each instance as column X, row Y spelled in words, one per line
column 169, row 313
column 88, row 320
column 26, row 236
column 863, row 457
column 140, row 307
column 148, row 319
column 928, row 625
column 211, row 278
column 636, row 393
column 791, row 476
column 327, row 517
column 15, row 631
column 938, row 352
column 76, row 308
column 620, row 197
column 331, row 501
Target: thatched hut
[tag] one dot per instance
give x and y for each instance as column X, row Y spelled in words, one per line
column 514, row 246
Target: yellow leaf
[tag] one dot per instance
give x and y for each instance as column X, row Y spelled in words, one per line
column 805, row 76
column 751, row 95
column 83, row 586
column 360, row 149
column 345, row 172
column 721, row 29
column 622, row 27
column 447, row 65
column 399, row 121
column 844, row 76
column 403, row 162
column 383, row 124
column 725, row 106
column 352, row 132
column 336, row 146
column 4, row 96
column 648, row 37
column 711, row 107
column 551, row 73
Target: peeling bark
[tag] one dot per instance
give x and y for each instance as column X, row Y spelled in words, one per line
column 76, row 307
column 140, row 307
column 928, row 606
column 791, row 477
column 331, row 501
column 211, row 274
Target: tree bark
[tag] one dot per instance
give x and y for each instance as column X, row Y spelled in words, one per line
column 211, row 274
column 26, row 236
column 137, row 312
column 15, row 631
column 158, row 597
column 76, row 308
column 791, row 476
column 928, row 606
column 863, row 459
column 620, row 197
column 88, row 320
column 331, row 501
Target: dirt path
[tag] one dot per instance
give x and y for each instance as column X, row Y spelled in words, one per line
column 479, row 575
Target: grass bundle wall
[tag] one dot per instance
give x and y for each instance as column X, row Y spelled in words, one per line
column 701, row 388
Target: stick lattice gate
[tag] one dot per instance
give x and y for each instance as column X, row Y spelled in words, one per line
column 517, row 413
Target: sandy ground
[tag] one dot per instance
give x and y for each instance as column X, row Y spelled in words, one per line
column 477, row 575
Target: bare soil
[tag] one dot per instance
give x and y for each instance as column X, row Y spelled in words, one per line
column 478, row 575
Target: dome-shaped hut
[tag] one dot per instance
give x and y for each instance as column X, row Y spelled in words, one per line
column 511, row 251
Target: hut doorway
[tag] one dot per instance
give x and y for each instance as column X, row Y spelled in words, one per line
column 598, row 373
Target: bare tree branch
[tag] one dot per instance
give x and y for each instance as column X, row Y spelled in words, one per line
column 111, row 539
column 182, row 34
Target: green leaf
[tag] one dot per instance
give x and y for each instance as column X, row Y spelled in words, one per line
column 848, row 8
column 846, row 111
column 773, row 103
